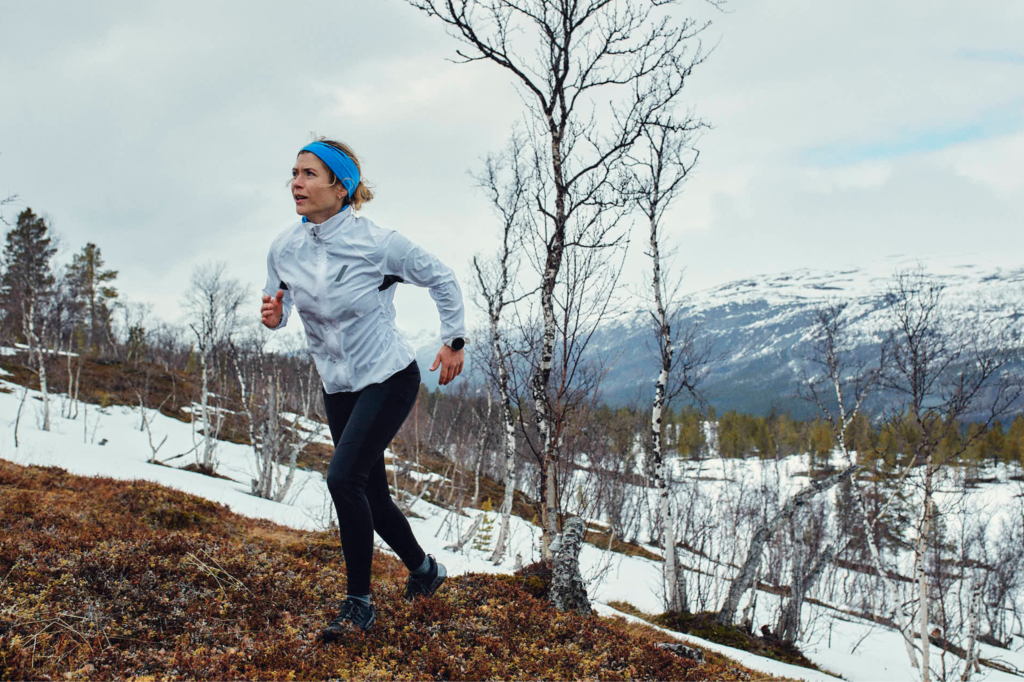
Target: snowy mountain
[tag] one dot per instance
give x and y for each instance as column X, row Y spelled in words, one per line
column 760, row 328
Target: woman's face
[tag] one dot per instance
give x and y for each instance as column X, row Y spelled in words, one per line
column 314, row 196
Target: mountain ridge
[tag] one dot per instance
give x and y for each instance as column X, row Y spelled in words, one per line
column 760, row 328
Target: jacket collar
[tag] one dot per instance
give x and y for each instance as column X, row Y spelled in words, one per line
column 329, row 227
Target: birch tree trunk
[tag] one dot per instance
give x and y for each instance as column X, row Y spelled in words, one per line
column 971, row 663
column 78, row 376
column 271, row 441
column 789, row 623
column 35, row 349
column 744, row 579
column 568, row 592
column 307, row 398
column 920, row 566
column 213, row 300
column 208, row 444
column 541, row 379
column 485, row 431
column 676, row 597
column 293, row 461
column 44, row 389
column 71, row 384
column 658, row 174
column 510, row 451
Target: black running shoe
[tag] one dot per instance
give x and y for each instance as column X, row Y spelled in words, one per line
column 426, row 584
column 354, row 614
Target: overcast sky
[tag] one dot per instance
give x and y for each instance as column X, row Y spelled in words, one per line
column 843, row 132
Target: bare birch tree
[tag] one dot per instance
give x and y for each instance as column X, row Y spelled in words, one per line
column 37, row 351
column 260, row 388
column 939, row 376
column 659, row 166
column 212, row 302
column 744, row 579
column 504, row 180
column 567, row 58
column 838, row 385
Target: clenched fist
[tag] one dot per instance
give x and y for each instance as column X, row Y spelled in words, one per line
column 272, row 308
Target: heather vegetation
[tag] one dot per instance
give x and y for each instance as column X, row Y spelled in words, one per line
column 104, row 579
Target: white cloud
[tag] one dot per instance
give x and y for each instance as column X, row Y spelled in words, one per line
column 996, row 163
column 164, row 132
column 866, row 175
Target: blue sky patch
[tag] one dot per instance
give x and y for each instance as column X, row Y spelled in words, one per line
column 995, row 56
column 1006, row 120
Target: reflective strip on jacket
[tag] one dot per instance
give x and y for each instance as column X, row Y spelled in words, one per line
column 341, row 277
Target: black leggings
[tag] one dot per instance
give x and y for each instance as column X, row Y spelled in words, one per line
column 362, row 424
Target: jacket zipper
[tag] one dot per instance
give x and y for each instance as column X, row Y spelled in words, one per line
column 333, row 333
column 320, row 274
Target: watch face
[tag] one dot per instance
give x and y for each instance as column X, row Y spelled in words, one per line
column 457, row 344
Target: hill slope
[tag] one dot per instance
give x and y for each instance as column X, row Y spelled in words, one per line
column 111, row 579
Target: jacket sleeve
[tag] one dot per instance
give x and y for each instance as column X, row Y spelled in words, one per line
column 273, row 284
column 416, row 265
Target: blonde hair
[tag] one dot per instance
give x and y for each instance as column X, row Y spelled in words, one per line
column 362, row 194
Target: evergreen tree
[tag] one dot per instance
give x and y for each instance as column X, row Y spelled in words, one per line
column 1013, row 447
column 92, row 291
column 27, row 277
column 482, row 540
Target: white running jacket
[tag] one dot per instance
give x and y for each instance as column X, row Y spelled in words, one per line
column 341, row 277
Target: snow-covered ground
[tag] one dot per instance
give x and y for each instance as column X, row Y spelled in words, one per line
column 850, row 647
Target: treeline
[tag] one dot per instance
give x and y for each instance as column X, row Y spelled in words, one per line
column 695, row 434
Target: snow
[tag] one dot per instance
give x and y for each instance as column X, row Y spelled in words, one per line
column 856, row 649
column 23, row 348
column 759, row 663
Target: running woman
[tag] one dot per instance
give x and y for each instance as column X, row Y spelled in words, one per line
column 341, row 271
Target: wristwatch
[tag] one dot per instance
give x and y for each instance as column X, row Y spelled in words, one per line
column 456, row 344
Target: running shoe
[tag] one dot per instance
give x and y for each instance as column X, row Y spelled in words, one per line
column 426, row 584
column 353, row 614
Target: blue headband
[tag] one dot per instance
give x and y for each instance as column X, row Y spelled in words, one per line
column 339, row 162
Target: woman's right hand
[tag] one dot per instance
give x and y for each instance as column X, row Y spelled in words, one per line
column 271, row 310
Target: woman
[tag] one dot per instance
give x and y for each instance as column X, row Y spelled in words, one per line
column 341, row 272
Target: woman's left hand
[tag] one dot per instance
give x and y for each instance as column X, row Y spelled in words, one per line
column 450, row 362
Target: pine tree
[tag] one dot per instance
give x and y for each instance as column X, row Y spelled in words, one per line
column 482, row 539
column 90, row 282
column 27, row 277
column 1013, row 448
